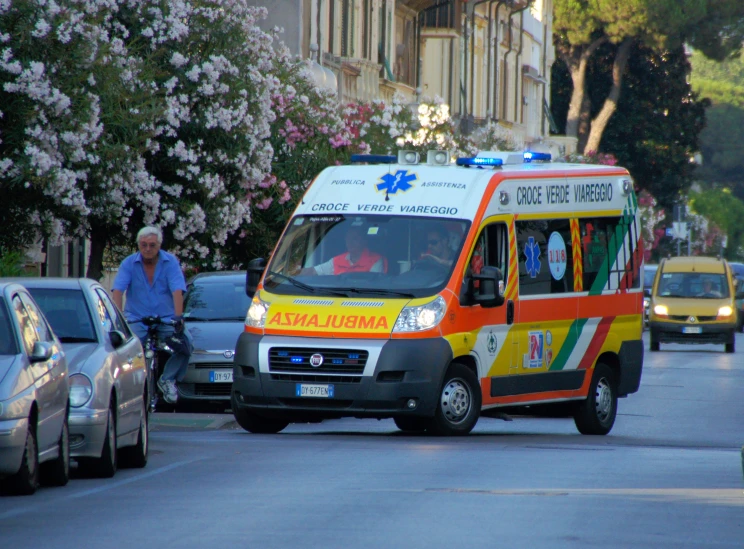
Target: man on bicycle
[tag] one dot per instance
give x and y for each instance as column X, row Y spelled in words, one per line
column 154, row 284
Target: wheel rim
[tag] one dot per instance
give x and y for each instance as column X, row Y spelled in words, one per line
column 603, row 400
column 455, row 400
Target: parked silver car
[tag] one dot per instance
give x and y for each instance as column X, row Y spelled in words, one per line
column 214, row 311
column 34, row 393
column 107, row 374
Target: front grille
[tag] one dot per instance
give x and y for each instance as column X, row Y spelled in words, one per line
column 305, row 378
column 213, row 365
column 685, row 318
column 212, row 389
column 335, row 361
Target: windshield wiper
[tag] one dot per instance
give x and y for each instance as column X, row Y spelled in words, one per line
column 74, row 339
column 294, row 281
column 373, row 291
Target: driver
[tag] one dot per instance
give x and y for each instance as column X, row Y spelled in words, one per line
column 357, row 259
column 708, row 290
column 438, row 249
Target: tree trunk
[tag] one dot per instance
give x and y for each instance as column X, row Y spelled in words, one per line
column 98, row 241
column 576, row 60
column 610, row 105
column 585, row 123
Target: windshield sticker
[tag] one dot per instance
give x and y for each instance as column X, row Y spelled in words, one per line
column 532, row 252
column 373, row 230
column 299, row 220
column 557, row 255
column 399, row 181
column 324, row 219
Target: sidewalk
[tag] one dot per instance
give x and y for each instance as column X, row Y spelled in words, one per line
column 171, row 421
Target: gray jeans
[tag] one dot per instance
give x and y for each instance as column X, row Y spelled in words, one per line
column 177, row 363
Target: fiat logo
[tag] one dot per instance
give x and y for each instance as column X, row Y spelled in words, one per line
column 692, row 319
column 228, row 354
column 316, row 360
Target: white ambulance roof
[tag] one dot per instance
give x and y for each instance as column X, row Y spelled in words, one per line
column 442, row 191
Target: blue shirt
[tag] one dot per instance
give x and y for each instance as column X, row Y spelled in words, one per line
column 144, row 299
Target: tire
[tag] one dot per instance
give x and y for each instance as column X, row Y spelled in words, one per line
column 135, row 457
column 254, row 423
column 731, row 347
column 106, row 465
column 26, row 481
column 654, row 345
column 459, row 403
column 57, row 472
column 596, row 415
column 412, row 424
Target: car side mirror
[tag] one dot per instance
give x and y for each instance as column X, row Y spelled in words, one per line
column 41, row 352
column 253, row 275
column 489, row 292
column 117, row 338
column 740, row 294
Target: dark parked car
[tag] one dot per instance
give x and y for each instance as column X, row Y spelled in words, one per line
column 649, row 272
column 214, row 310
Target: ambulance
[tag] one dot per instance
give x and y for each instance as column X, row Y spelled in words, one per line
column 434, row 292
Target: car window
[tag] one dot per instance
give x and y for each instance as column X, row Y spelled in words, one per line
column 210, row 300
column 8, row 345
column 114, row 314
column 28, row 331
column 67, row 312
column 37, row 318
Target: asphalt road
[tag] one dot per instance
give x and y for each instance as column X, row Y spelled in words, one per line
column 669, row 475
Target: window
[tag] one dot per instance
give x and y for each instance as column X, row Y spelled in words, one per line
column 38, row 320
column 608, row 249
column 28, row 332
column 114, row 314
column 491, row 249
column 67, row 312
column 7, row 340
column 545, row 256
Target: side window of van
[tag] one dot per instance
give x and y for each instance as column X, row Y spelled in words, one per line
column 603, row 239
column 491, row 249
column 545, row 255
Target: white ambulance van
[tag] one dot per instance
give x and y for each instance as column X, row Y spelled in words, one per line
column 433, row 293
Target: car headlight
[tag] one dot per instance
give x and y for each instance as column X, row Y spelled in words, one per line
column 81, row 389
column 725, row 311
column 646, row 302
column 256, row 317
column 420, row 317
column 661, row 310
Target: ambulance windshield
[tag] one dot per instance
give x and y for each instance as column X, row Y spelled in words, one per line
column 406, row 256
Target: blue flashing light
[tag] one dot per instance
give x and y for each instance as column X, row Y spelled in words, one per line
column 283, row 353
column 374, row 158
column 337, row 361
column 530, row 156
column 479, row 161
column 296, row 360
column 353, row 355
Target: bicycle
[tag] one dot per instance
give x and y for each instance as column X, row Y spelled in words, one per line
column 152, row 348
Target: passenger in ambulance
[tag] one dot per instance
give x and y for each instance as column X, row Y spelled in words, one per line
column 438, row 250
column 357, row 259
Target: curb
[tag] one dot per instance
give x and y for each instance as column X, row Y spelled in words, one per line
column 164, row 421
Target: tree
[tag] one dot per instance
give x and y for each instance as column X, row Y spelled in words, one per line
column 581, row 27
column 718, row 206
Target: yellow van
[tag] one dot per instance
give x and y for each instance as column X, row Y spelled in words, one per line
column 693, row 302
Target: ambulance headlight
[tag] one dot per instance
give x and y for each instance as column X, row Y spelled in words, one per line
column 256, row 317
column 420, row 317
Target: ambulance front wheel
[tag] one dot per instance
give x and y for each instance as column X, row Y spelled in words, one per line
column 596, row 415
column 254, row 423
column 459, row 403
column 411, row 424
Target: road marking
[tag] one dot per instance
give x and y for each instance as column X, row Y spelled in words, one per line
column 98, row 489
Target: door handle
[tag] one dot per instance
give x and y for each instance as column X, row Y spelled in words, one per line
column 510, row 312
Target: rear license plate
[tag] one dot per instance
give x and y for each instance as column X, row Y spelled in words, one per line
column 312, row 390
column 692, row 330
column 220, row 377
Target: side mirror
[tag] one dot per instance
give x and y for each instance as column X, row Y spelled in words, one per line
column 740, row 294
column 253, row 275
column 117, row 338
column 489, row 293
column 41, row 352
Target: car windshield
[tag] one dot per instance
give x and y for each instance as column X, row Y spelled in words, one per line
column 396, row 256
column 649, row 272
column 67, row 312
column 213, row 298
column 696, row 285
column 8, row 344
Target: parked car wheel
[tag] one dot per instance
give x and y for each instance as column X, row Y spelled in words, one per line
column 57, row 471
column 459, row 403
column 135, row 457
column 412, row 424
column 254, row 423
column 596, row 415
column 106, row 465
column 26, row 481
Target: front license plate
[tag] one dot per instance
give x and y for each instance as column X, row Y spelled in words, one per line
column 220, row 377
column 311, row 390
column 692, row 330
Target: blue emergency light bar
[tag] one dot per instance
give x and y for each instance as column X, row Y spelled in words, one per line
column 530, row 156
column 479, row 161
column 374, row 158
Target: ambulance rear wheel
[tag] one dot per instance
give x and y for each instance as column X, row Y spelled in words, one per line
column 596, row 415
column 459, row 403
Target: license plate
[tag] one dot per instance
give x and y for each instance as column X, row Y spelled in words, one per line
column 220, row 377
column 692, row 330
column 312, row 390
